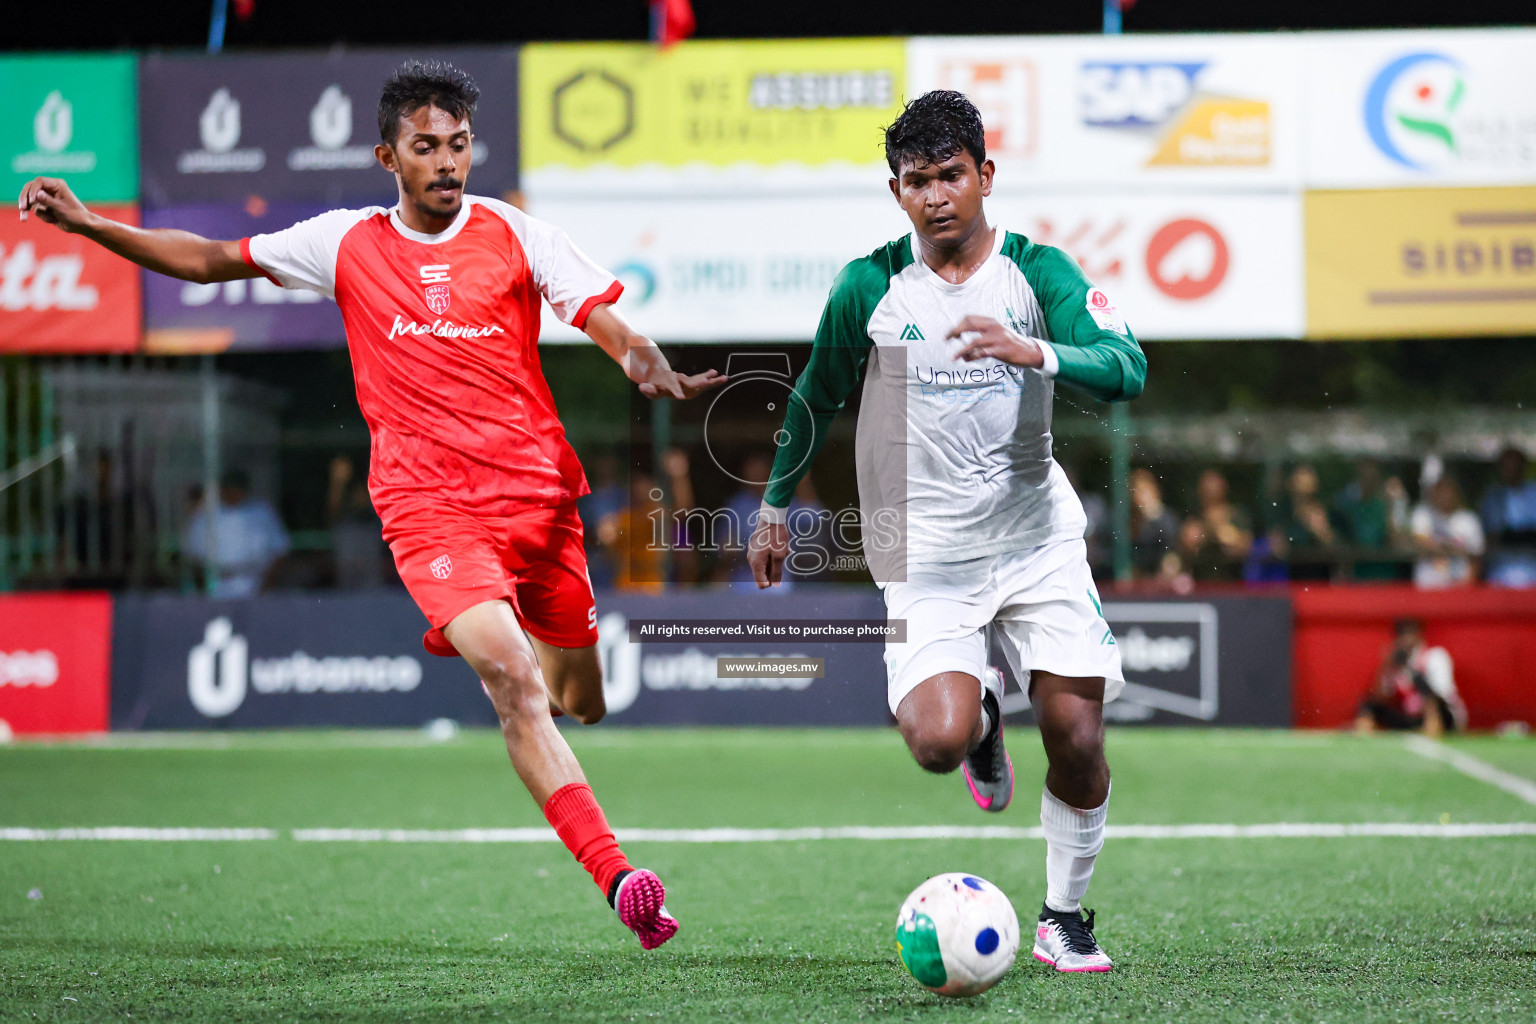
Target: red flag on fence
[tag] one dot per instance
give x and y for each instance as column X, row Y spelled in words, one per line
column 671, row 21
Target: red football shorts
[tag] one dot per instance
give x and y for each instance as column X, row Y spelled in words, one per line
column 451, row 561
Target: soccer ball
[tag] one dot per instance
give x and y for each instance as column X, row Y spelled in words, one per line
column 957, row 934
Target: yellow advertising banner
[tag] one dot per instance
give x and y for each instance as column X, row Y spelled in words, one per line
column 1421, row 262
column 716, row 104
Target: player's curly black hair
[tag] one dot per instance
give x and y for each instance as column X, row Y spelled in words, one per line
column 416, row 84
column 933, row 128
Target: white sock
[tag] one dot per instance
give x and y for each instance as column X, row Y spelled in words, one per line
column 1073, row 839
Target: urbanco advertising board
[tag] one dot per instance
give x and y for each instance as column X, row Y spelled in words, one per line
column 302, row 126
column 70, row 116
column 1415, row 109
column 1137, row 112
column 710, row 270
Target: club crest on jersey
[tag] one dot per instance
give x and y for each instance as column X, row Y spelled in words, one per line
column 437, row 298
column 434, row 276
column 442, row 567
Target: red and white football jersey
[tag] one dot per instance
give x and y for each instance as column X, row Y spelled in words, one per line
column 444, row 332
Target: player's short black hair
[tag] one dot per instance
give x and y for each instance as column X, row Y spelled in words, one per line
column 933, row 128
column 416, row 84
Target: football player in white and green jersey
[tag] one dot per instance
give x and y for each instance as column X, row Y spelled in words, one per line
column 957, row 333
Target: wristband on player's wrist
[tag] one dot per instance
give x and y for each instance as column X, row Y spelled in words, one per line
column 772, row 514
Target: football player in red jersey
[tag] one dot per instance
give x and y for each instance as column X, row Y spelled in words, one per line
column 470, row 469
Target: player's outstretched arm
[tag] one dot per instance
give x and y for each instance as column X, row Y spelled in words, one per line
column 642, row 361
column 178, row 254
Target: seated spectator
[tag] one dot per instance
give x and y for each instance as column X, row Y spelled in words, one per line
column 1216, row 549
column 362, row 559
column 606, row 498
column 1415, row 687
column 1154, row 529
column 1447, row 537
column 733, row 526
column 1509, row 523
column 645, row 539
column 246, row 541
column 1304, row 536
column 1373, row 516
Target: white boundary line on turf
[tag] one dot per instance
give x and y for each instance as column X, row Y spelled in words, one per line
column 1515, row 785
column 1279, row 830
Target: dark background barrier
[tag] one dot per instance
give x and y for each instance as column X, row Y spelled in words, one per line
column 188, row 662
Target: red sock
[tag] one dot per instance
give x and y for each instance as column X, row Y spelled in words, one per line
column 579, row 822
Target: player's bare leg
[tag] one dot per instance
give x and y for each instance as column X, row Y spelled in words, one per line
column 489, row 638
column 1072, row 813
column 574, row 679
column 941, row 720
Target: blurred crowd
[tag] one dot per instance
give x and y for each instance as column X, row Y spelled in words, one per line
column 651, row 529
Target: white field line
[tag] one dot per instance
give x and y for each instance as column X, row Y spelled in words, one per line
column 1279, row 830
column 1515, row 785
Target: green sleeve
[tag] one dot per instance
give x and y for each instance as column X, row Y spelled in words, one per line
column 836, row 367
column 1108, row 364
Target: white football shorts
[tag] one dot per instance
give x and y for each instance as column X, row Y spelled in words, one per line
column 1041, row 602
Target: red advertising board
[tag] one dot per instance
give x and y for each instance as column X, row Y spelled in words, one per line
column 55, row 662
column 62, row 293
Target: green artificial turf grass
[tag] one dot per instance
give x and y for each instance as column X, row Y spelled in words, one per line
column 1242, row 930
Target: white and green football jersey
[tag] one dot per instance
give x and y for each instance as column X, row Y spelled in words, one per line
column 954, row 458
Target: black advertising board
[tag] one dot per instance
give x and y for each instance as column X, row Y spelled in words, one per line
column 301, row 126
column 303, row 660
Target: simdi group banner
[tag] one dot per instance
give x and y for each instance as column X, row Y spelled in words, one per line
column 62, row 293
column 302, row 126
column 73, row 117
column 1408, row 109
column 1135, row 111
column 181, row 316
column 1218, row 266
column 1421, row 262
column 749, row 116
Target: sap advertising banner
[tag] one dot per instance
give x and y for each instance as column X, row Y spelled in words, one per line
column 301, row 126
column 1134, row 111
column 63, row 293
column 1407, row 109
column 235, row 315
column 190, row 663
column 1190, row 266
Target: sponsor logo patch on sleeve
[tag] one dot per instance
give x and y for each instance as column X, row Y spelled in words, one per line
column 1104, row 313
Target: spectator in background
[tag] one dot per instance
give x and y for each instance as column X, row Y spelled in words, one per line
column 606, row 498
column 1373, row 516
column 1215, row 542
column 1509, row 523
column 1415, row 687
column 809, row 528
column 645, row 539
column 362, row 560
column 244, row 545
column 1096, row 509
column 1154, row 529
column 1304, row 536
column 1447, row 537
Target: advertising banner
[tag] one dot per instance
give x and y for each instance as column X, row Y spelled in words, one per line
column 1198, row 661
column 1421, row 262
column 1135, row 111
column 73, row 117
column 62, row 293
column 235, row 315
column 1206, row 266
column 54, row 657
column 749, row 115
column 302, row 126
column 1406, row 109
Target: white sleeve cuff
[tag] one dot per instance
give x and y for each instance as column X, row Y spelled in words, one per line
column 771, row 514
column 1052, row 365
